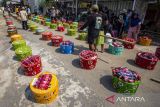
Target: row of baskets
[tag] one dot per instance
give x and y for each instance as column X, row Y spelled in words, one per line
column 44, row 86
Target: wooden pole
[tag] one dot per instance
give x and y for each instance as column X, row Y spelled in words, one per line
column 120, row 40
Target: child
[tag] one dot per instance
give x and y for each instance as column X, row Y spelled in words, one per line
column 100, row 41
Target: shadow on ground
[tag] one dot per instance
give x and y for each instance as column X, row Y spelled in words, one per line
column 75, row 63
column 58, row 50
column 78, row 49
column 132, row 62
column 28, row 95
column 50, row 44
column 15, row 58
column 20, row 71
column 106, row 81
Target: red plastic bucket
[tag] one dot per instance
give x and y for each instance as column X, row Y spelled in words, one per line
column 56, row 40
column 127, row 45
column 32, row 65
column 88, row 59
column 146, row 60
column 47, row 35
column 158, row 52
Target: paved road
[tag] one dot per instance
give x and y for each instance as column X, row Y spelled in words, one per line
column 78, row 87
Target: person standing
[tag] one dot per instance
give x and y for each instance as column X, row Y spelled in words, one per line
column 134, row 26
column 53, row 13
column 94, row 23
column 28, row 12
column 24, row 18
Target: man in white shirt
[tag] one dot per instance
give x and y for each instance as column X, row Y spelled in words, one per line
column 24, row 18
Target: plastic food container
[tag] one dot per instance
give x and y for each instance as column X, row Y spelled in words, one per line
column 56, row 40
column 47, row 35
column 32, row 65
column 127, row 45
column 116, row 48
column 67, row 47
column 125, row 80
column 146, row 60
column 88, row 59
column 23, row 52
column 44, row 88
column 145, row 41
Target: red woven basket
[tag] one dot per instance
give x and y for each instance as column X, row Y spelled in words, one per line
column 88, row 59
column 11, row 27
column 127, row 45
column 146, row 60
column 32, row 65
column 9, row 23
column 54, row 21
column 56, row 40
column 47, row 36
column 60, row 28
column 158, row 53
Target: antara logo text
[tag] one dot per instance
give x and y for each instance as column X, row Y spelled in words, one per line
column 112, row 99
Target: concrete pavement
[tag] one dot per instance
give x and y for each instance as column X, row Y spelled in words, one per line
column 78, row 87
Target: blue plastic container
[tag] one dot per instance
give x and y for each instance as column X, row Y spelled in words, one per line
column 115, row 50
column 48, row 20
column 67, row 47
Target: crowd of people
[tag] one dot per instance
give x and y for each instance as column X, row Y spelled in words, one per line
column 98, row 20
column 126, row 23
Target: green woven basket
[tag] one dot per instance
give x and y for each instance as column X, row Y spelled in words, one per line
column 59, row 23
column 82, row 36
column 48, row 24
column 18, row 43
column 73, row 27
column 75, row 23
column 53, row 26
column 38, row 20
column 29, row 25
column 66, row 25
column 33, row 28
column 23, row 52
column 71, row 32
column 125, row 87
